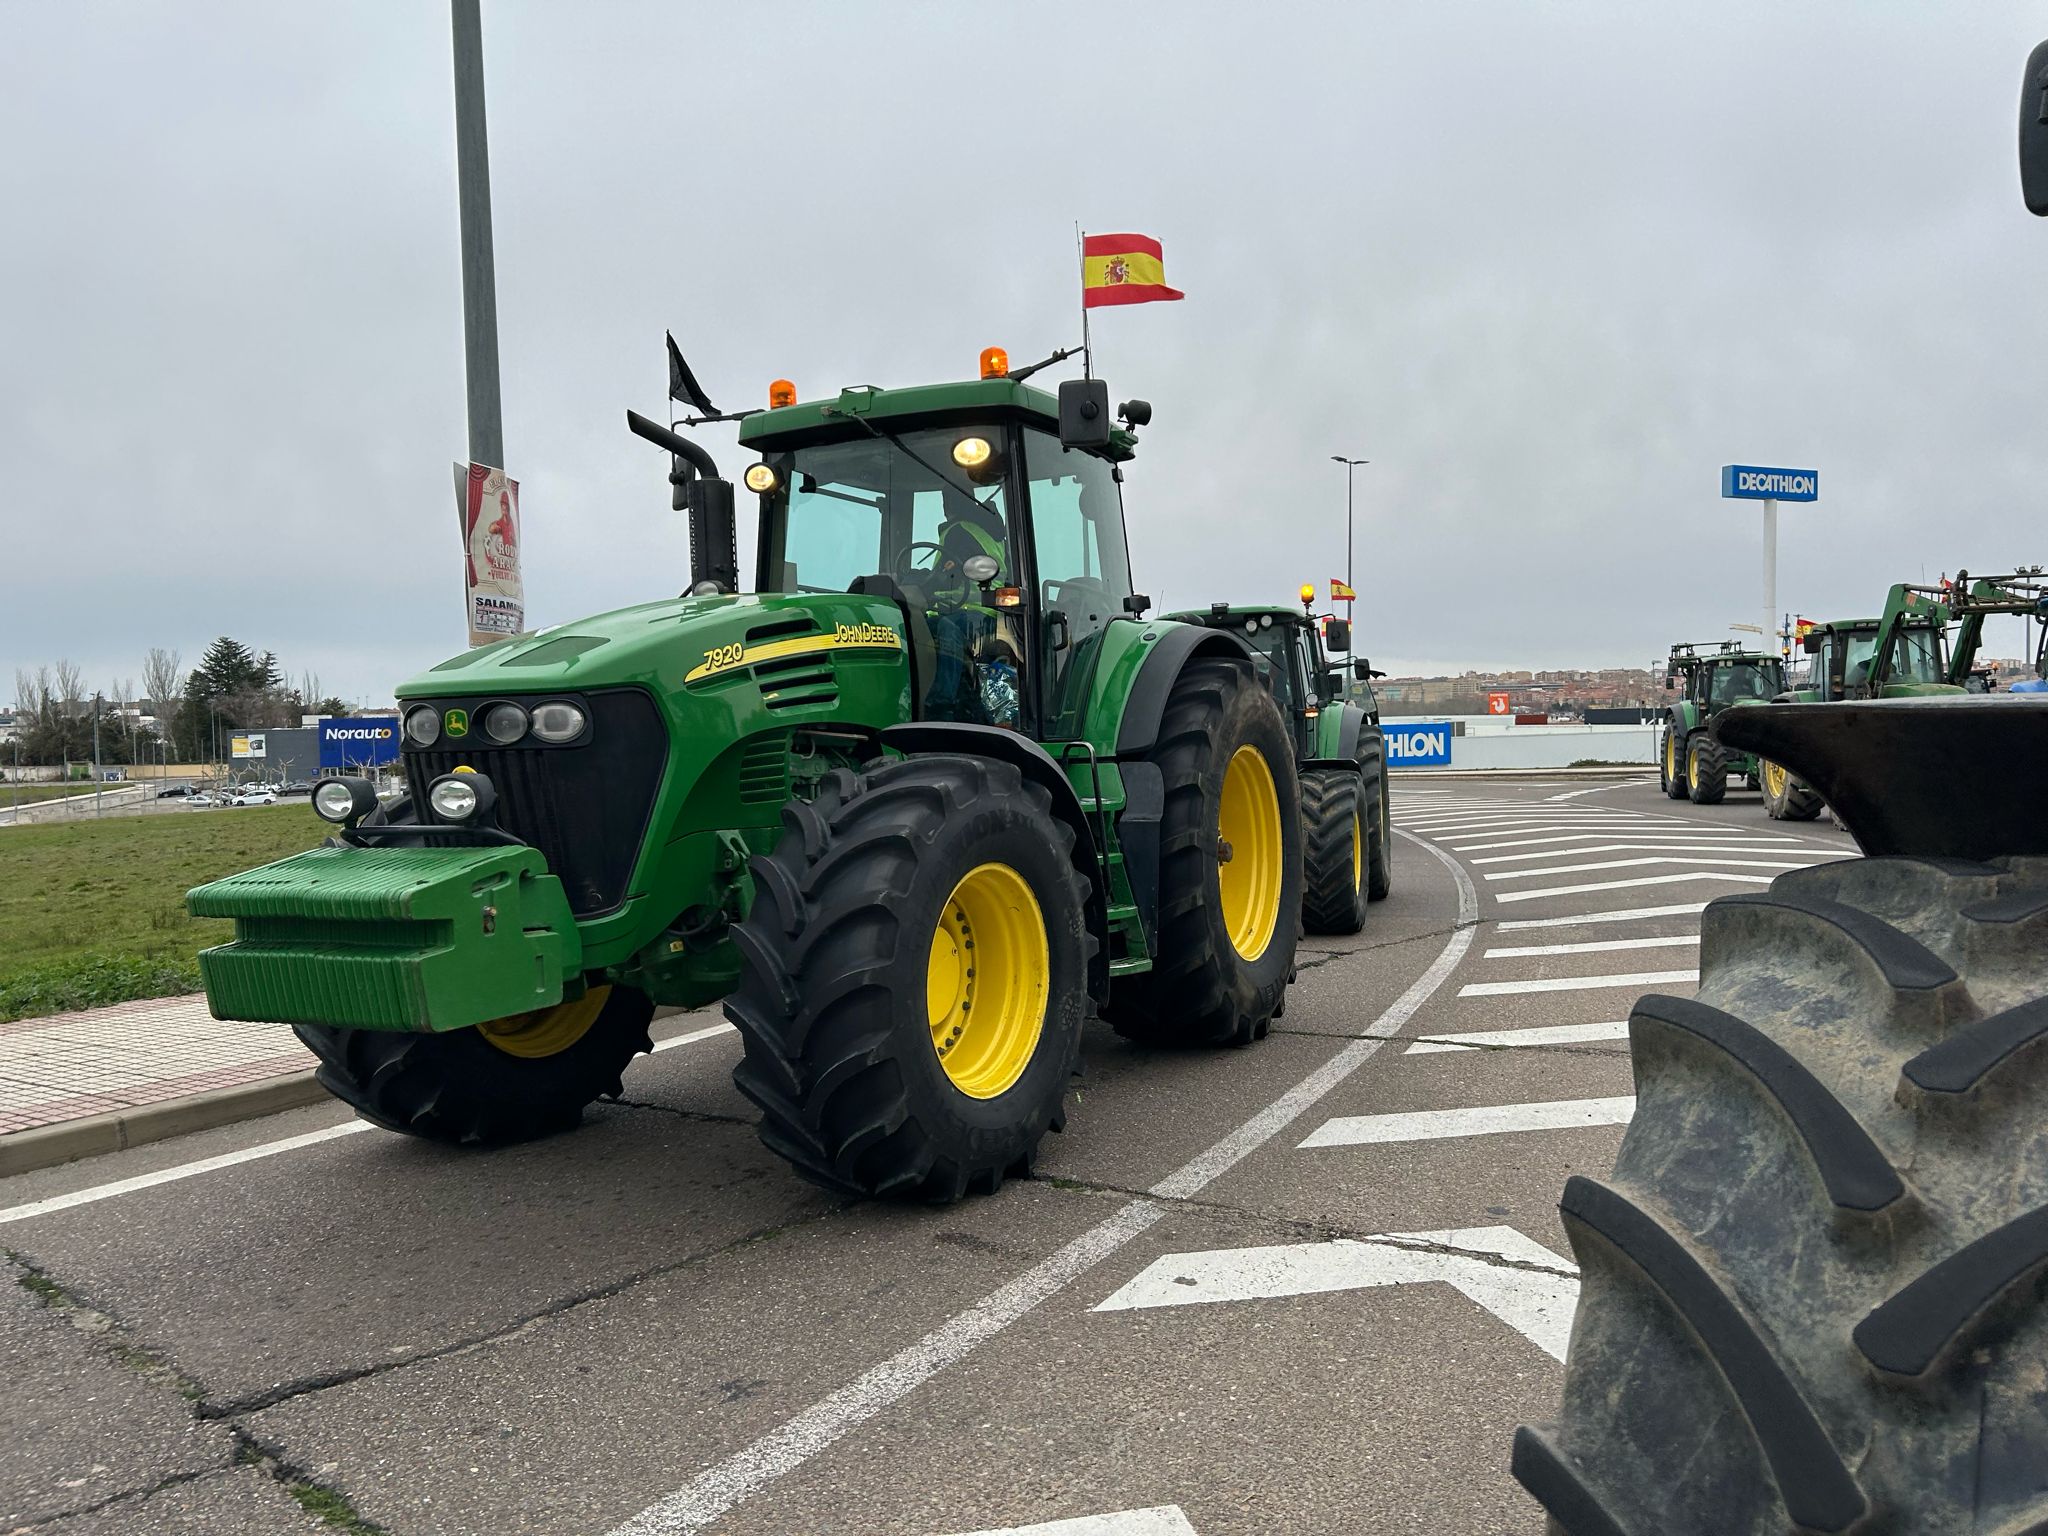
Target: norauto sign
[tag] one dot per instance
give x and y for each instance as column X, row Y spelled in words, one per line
column 359, row 743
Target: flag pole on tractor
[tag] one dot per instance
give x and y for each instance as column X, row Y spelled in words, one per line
column 1118, row 269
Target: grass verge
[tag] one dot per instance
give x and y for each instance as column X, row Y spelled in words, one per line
column 94, row 911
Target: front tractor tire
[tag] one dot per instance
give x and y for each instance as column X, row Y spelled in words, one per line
column 1671, row 762
column 1230, row 866
column 914, row 979
column 1706, row 769
column 1786, row 798
column 509, row 1080
column 1335, row 842
column 1811, row 1290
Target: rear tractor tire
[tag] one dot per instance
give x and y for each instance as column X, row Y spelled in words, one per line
column 914, row 979
column 1671, row 762
column 1335, row 841
column 1706, row 769
column 509, row 1080
column 1379, row 824
column 1812, row 1293
column 1786, row 797
column 1230, row 866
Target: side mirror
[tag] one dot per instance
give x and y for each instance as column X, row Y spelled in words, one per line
column 1361, row 669
column 1337, row 634
column 1811, row 644
column 1084, row 413
column 2034, row 132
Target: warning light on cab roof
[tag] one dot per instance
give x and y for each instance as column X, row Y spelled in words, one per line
column 781, row 393
column 995, row 363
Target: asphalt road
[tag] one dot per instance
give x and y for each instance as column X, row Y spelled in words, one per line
column 1311, row 1286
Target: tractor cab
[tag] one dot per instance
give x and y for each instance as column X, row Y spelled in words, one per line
column 989, row 513
column 1714, row 679
column 1287, row 645
column 1898, row 655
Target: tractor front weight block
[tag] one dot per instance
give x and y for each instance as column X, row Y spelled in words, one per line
column 416, row 939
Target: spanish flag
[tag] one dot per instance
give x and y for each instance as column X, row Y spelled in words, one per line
column 1122, row 269
column 1801, row 628
column 1340, row 593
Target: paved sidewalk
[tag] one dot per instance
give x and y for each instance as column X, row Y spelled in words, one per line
column 69, row 1066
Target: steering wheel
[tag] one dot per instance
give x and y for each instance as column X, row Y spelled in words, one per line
column 907, row 568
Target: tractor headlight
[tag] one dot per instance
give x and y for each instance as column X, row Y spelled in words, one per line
column 462, row 798
column 557, row 722
column 504, row 723
column 422, row 726
column 971, row 452
column 344, row 800
column 760, row 478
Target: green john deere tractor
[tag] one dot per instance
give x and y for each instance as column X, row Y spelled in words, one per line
column 1347, row 836
column 1691, row 763
column 913, row 807
column 2022, row 592
column 1901, row 654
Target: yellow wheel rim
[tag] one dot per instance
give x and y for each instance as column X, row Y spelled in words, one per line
column 1692, row 762
column 1248, row 862
column 1357, row 854
column 547, row 1031
column 987, row 981
column 1670, row 755
column 1774, row 779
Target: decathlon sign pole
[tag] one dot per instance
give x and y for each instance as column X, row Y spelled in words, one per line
column 1750, row 482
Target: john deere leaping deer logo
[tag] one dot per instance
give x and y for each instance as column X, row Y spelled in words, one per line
column 1118, row 270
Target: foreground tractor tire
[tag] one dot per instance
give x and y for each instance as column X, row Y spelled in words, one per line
column 1811, row 1292
column 510, row 1080
column 913, row 979
column 1706, row 769
column 1671, row 762
column 1785, row 797
column 1335, row 839
column 1379, row 824
column 1227, row 926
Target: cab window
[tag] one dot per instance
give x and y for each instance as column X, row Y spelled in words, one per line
column 1083, row 571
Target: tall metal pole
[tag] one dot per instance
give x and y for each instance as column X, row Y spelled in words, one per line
column 96, row 754
column 479, row 273
column 1350, row 483
column 1770, row 565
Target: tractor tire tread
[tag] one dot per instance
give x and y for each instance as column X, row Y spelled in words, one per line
column 1332, row 812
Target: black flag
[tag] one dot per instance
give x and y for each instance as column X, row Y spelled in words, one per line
column 682, row 384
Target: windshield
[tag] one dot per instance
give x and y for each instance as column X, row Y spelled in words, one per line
column 1917, row 656
column 1736, row 681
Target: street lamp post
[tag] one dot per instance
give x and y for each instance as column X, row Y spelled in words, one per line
column 1350, row 471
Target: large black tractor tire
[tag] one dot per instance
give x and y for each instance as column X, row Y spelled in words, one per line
column 1335, row 840
column 1812, row 1291
column 1379, row 820
column 1786, row 796
column 511, row 1080
column 1671, row 762
column 933, row 875
column 1215, row 981
column 1706, row 769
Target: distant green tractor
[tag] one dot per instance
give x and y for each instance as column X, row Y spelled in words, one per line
column 1691, row 763
column 1901, row 654
column 2023, row 593
column 913, row 807
column 1347, row 835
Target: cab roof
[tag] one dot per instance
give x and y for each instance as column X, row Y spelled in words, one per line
column 1210, row 615
column 791, row 425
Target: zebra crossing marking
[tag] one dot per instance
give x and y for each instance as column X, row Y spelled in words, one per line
column 1481, row 1120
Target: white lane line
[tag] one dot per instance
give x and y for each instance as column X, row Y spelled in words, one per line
column 1482, row 826
column 1536, row 1302
column 1460, row 837
column 1487, row 1120
column 696, row 1034
column 1573, row 983
column 1160, row 1520
column 172, row 1175
column 1601, row 789
column 1624, row 885
column 1800, row 862
column 1620, row 915
column 725, row 1484
column 1714, row 838
column 1542, row 1034
column 179, row 1171
column 1591, row 947
column 1659, row 844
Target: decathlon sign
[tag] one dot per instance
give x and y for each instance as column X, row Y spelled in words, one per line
column 1748, row 482
column 363, row 742
column 1426, row 745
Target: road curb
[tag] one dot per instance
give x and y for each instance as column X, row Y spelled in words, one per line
column 45, row 1146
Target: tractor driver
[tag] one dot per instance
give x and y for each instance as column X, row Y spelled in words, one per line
column 973, row 656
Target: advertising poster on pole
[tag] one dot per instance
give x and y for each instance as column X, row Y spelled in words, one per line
column 487, row 502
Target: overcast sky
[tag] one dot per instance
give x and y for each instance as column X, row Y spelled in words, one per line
column 1547, row 266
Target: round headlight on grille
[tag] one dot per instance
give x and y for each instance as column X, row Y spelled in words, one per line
column 504, row 723
column 557, row 722
column 461, row 797
column 343, row 800
column 423, row 726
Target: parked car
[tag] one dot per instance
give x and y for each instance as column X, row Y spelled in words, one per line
column 295, row 787
column 203, row 797
column 251, row 794
column 175, row 792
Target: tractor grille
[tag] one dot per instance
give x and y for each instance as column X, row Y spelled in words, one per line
column 795, row 682
column 585, row 807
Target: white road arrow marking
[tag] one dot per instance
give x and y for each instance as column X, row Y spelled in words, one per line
column 1486, row 1120
column 1542, row 1034
column 1536, row 1302
column 1161, row 1520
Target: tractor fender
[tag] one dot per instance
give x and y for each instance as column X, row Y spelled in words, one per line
column 1349, row 742
column 1038, row 767
column 1138, row 727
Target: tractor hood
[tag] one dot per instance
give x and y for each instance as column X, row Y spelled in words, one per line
column 673, row 645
